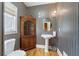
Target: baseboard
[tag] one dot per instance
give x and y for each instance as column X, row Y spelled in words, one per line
column 59, row 52
column 42, row 46
column 64, row 53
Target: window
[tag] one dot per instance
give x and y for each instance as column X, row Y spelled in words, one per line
column 10, row 18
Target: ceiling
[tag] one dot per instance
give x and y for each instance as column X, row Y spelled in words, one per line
column 29, row 4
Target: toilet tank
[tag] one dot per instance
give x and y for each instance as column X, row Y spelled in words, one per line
column 9, row 46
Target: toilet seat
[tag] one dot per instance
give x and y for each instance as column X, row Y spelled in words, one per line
column 17, row 53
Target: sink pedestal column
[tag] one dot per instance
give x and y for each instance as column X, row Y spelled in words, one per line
column 46, row 37
column 46, row 45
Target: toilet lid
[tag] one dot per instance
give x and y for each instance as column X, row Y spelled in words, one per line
column 17, row 53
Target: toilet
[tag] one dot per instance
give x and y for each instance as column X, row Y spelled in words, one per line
column 9, row 48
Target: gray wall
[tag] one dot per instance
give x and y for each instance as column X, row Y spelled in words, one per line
column 67, row 16
column 0, row 28
column 77, row 41
column 45, row 11
column 22, row 10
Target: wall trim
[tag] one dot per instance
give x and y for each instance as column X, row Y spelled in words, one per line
column 59, row 52
column 64, row 53
column 42, row 46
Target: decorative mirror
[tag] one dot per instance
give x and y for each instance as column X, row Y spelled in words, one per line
column 47, row 25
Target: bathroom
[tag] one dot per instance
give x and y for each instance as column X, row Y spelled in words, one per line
column 61, row 17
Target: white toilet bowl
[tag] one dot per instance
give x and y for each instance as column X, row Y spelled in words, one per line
column 17, row 53
column 9, row 48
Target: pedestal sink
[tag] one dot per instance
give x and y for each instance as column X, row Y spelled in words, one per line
column 46, row 37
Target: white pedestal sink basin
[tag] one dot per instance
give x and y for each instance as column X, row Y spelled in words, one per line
column 46, row 37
